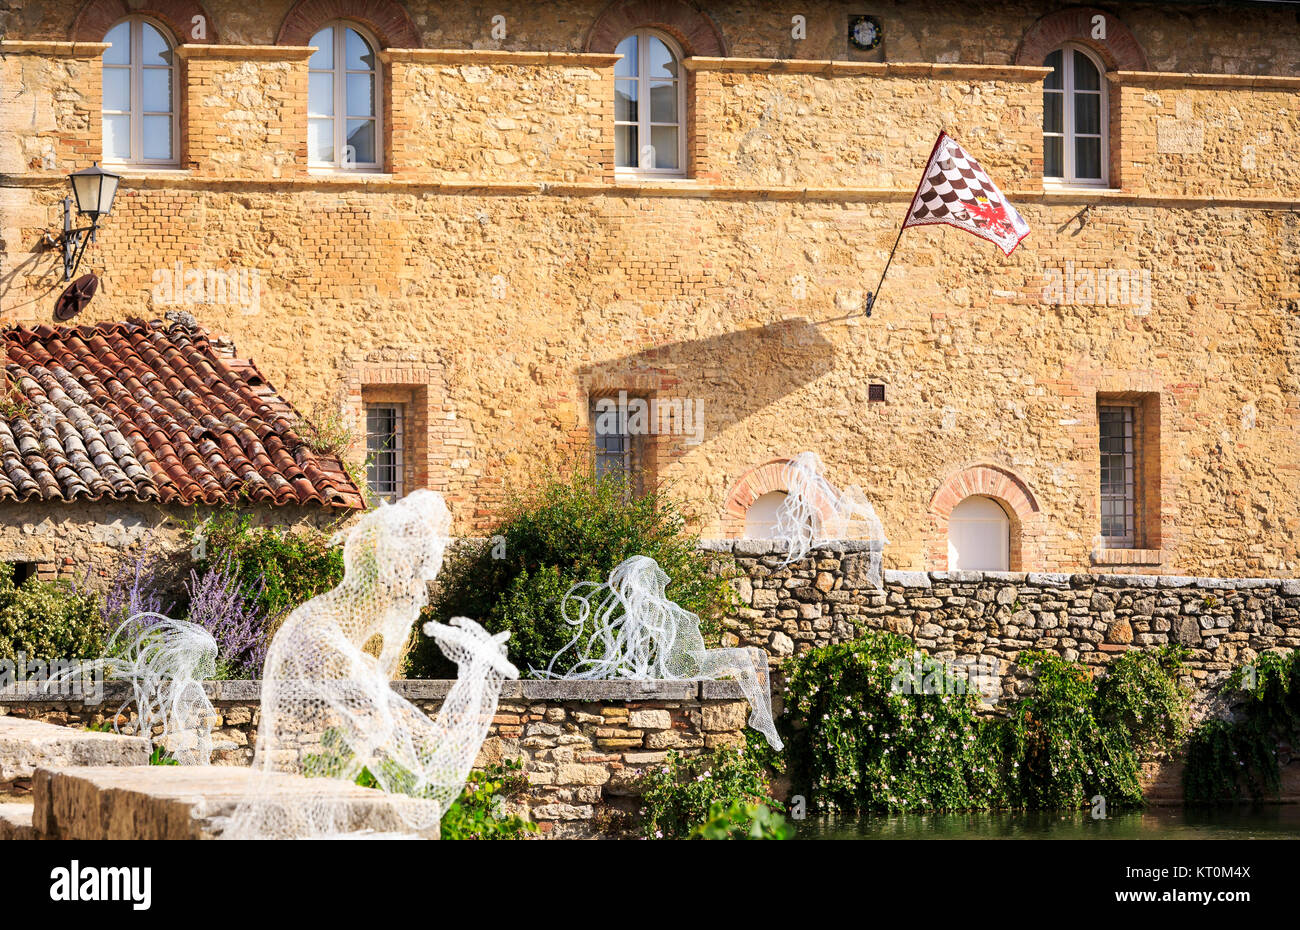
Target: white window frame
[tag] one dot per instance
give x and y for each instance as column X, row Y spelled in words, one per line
column 1068, row 134
column 137, row 114
column 340, row 117
column 643, row 123
column 398, row 450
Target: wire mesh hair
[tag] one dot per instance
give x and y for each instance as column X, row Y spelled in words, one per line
column 628, row 628
column 814, row 511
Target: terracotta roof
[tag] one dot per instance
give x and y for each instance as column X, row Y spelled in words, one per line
column 151, row 412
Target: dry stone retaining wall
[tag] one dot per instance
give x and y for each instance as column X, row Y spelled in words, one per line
column 583, row 744
column 831, row 595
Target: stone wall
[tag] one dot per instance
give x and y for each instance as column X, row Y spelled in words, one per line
column 831, row 596
column 86, row 541
column 583, row 744
column 507, row 275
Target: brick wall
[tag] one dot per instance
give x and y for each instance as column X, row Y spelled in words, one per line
column 502, row 267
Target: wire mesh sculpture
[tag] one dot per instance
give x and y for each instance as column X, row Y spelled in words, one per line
column 328, row 708
column 814, row 511
column 635, row 632
column 166, row 662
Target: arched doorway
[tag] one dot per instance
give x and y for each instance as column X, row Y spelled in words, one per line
column 760, row 519
column 979, row 536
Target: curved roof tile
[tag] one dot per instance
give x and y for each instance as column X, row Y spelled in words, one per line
column 150, row 411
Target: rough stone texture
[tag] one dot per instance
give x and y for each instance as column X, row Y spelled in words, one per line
column 549, row 125
column 1226, row 622
column 26, row 745
column 16, row 822
column 154, row 802
column 583, row 744
column 502, row 275
column 87, row 542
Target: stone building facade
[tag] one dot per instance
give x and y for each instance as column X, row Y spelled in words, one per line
column 493, row 270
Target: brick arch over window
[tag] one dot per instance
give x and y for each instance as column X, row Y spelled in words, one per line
column 1003, row 486
column 753, row 484
column 389, row 21
column 692, row 27
column 1119, row 51
column 98, row 16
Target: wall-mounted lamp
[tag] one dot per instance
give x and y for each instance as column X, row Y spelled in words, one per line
column 94, row 189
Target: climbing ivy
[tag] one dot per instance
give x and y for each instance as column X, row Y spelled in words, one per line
column 1229, row 760
column 873, row 725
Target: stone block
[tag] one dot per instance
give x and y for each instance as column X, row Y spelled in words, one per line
column 26, row 745
column 162, row 802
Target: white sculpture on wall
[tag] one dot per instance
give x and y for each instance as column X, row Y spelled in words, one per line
column 637, row 633
column 166, row 662
column 328, row 708
column 814, row 511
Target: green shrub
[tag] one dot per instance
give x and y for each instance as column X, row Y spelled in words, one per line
column 679, row 795
column 478, row 814
column 742, row 821
column 863, row 737
column 275, row 568
column 48, row 620
column 858, row 743
column 568, row 532
column 1141, row 694
column 1233, row 760
column 1054, row 752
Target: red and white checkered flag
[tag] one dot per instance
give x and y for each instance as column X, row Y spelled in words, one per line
column 956, row 191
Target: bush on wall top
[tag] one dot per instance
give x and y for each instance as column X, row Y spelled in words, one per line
column 44, row 620
column 571, row 530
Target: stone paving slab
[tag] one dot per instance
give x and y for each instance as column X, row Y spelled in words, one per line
column 26, row 745
column 16, row 822
column 163, row 802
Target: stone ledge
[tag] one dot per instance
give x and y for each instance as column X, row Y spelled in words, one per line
column 60, row 49
column 488, row 56
column 246, row 52
column 116, row 692
column 1195, row 79
column 777, row 546
column 883, row 69
column 27, row 745
column 158, row 802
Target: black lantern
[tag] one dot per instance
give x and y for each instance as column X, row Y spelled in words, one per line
column 94, row 189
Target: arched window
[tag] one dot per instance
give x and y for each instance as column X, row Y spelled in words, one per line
column 978, row 536
column 1075, row 148
column 760, row 519
column 139, row 102
column 649, row 105
column 343, row 95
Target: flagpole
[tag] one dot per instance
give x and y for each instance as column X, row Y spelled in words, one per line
column 871, row 295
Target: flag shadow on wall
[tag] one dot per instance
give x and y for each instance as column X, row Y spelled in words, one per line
column 696, row 389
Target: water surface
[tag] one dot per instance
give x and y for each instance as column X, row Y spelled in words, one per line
column 1277, row 821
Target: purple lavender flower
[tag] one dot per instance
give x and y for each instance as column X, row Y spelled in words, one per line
column 236, row 622
column 135, row 589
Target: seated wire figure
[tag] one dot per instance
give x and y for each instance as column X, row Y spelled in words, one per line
column 814, row 511
column 328, row 708
column 637, row 633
